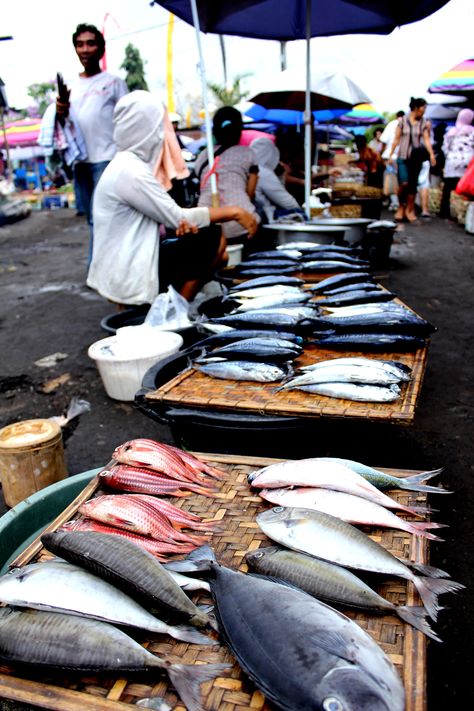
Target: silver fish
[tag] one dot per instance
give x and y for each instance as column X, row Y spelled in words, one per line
column 353, row 391
column 382, row 480
column 331, row 539
column 399, row 370
column 277, row 300
column 368, row 374
column 127, row 566
column 350, row 508
column 60, row 586
column 243, row 370
column 45, row 640
column 300, row 652
column 331, row 583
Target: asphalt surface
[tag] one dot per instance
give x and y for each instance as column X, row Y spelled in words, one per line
column 46, row 308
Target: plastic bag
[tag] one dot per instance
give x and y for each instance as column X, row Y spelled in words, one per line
column 465, row 185
column 168, row 311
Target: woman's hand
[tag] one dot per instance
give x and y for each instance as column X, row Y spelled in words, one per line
column 247, row 220
column 432, row 160
column 184, row 228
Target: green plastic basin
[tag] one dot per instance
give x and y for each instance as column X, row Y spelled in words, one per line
column 25, row 521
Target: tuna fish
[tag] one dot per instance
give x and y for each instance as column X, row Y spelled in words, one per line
column 331, row 583
column 338, row 542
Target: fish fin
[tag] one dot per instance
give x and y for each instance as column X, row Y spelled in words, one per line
column 416, row 617
column 187, row 679
column 429, row 590
column 421, row 510
column 190, row 634
column 428, row 570
column 199, row 560
column 153, row 702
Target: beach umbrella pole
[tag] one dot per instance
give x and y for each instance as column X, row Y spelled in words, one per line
column 307, row 115
column 207, row 118
column 5, row 142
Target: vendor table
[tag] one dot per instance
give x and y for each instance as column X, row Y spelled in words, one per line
column 235, row 506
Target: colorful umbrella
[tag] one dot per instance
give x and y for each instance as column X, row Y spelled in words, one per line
column 24, row 132
column 458, row 80
column 362, row 114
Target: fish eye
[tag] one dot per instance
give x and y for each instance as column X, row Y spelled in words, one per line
column 332, row 704
column 258, row 555
column 277, row 509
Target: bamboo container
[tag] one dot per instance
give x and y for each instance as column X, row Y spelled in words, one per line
column 31, row 457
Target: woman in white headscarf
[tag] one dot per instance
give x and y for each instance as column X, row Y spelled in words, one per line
column 271, row 192
column 458, row 148
column 130, row 205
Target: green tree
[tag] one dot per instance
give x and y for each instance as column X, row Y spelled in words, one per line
column 133, row 65
column 229, row 95
column 42, row 94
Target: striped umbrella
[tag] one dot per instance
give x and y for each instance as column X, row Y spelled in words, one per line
column 458, row 80
column 362, row 114
column 24, row 132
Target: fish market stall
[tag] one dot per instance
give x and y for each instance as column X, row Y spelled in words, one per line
column 233, row 509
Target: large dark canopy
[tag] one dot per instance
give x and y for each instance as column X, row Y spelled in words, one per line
column 286, row 19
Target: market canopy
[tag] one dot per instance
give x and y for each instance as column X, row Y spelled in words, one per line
column 361, row 115
column 458, row 80
column 286, row 19
column 24, row 132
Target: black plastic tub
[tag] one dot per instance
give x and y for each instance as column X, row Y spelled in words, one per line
column 130, row 317
column 214, row 430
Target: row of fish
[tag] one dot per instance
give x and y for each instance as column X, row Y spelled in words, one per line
column 69, row 606
column 360, row 379
column 309, row 258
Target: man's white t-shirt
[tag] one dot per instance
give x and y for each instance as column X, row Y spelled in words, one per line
column 388, row 137
column 93, row 102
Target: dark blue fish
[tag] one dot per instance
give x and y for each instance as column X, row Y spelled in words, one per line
column 268, row 349
column 270, row 280
column 239, row 334
column 357, row 297
column 401, row 321
column 386, row 342
column 339, row 280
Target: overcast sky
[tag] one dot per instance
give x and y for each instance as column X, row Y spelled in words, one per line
column 389, row 68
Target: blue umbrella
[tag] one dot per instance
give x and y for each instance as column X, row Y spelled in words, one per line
column 294, row 19
column 288, row 117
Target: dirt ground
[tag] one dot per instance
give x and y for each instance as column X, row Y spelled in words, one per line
column 46, row 308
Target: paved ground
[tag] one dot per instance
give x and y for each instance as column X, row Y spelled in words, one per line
column 45, row 308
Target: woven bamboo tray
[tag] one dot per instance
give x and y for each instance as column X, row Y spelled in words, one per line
column 194, row 388
column 236, row 507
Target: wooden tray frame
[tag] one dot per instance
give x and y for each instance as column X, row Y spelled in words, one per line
column 235, row 506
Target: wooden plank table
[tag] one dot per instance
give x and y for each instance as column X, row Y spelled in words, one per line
column 235, row 506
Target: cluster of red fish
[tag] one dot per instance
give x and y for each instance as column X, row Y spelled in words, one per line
column 149, row 469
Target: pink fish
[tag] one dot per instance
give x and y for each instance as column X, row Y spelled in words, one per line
column 148, row 483
column 326, row 475
column 153, row 455
column 157, row 548
column 347, row 507
column 197, row 464
column 134, row 515
column 177, row 517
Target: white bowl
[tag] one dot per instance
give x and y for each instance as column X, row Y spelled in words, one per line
column 121, row 364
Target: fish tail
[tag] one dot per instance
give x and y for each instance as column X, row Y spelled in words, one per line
column 416, row 617
column 420, row 510
column 428, row 570
column 421, row 529
column 187, row 678
column 415, row 483
column 189, row 634
column 429, row 590
column 200, row 560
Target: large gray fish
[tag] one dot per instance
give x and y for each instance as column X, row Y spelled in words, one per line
column 261, row 320
column 263, row 302
column 59, row 586
column 300, row 652
column 234, row 335
column 339, row 280
column 259, row 291
column 274, row 254
column 243, row 370
column 331, row 583
column 331, row 254
column 382, row 480
column 331, row 539
column 45, row 640
column 255, row 263
column 126, row 566
column 360, row 286
column 265, row 271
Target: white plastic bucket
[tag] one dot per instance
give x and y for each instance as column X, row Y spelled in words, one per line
column 234, row 252
column 122, row 360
